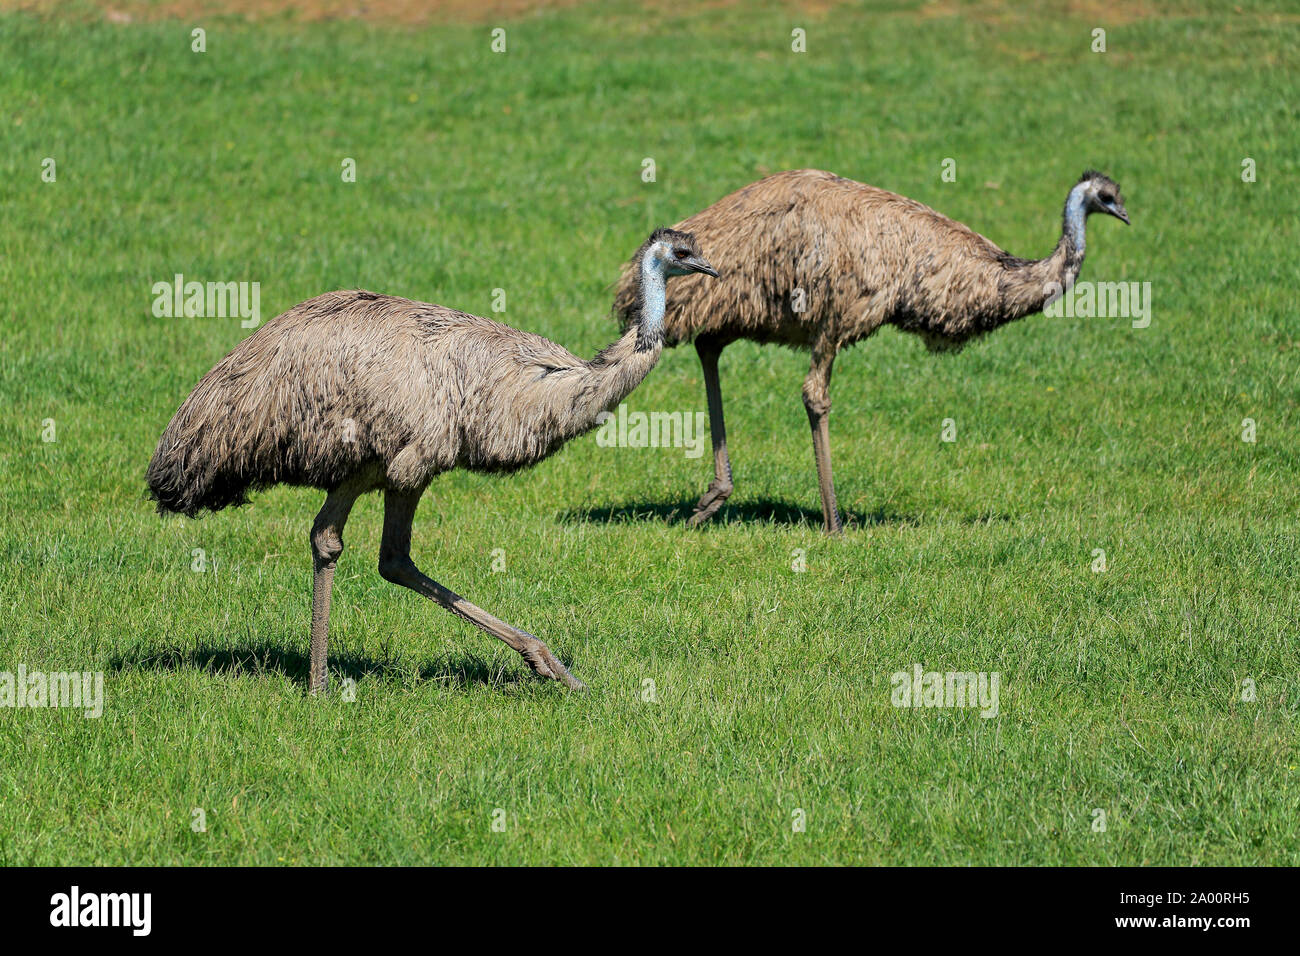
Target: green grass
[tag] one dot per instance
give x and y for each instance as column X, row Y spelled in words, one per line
column 1120, row 690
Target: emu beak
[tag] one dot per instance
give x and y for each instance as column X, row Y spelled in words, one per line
column 1121, row 214
column 697, row 264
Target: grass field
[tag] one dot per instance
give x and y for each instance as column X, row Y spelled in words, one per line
column 1125, row 691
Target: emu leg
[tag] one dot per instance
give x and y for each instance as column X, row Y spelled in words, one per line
column 395, row 565
column 817, row 400
column 326, row 546
column 720, row 488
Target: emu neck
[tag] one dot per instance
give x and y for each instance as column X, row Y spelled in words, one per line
column 1074, row 222
column 607, row 379
column 653, row 293
column 1061, row 268
column 1029, row 286
column 581, row 394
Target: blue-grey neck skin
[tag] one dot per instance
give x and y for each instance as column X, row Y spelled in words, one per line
column 1075, row 218
column 654, row 291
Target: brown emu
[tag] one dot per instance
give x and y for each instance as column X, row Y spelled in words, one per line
column 815, row 261
column 352, row 392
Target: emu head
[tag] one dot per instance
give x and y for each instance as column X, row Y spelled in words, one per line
column 1101, row 194
column 674, row 253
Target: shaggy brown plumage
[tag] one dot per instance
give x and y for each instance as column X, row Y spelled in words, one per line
column 815, row 261
column 352, row 391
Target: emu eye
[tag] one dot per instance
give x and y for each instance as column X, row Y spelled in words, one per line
column 682, row 253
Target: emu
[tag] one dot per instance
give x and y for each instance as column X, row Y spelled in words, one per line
column 352, row 392
column 818, row 262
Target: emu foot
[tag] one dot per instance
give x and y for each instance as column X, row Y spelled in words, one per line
column 833, row 525
column 708, row 505
column 545, row 664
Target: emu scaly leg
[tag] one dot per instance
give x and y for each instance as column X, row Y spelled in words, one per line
column 720, row 488
column 326, row 546
column 817, row 400
column 395, row 565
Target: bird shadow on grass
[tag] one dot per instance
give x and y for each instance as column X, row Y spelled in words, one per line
column 255, row 660
column 754, row 511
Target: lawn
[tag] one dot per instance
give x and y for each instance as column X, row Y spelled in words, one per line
column 739, row 709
